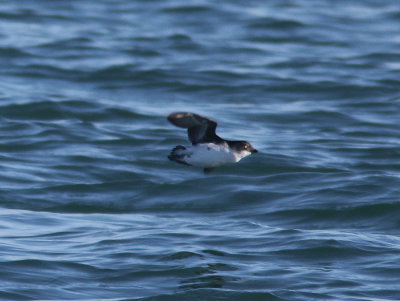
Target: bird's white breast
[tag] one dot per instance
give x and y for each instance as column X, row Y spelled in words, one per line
column 210, row 155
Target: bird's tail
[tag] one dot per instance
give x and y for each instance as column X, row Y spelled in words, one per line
column 178, row 154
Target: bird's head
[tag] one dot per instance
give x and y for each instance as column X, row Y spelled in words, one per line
column 242, row 148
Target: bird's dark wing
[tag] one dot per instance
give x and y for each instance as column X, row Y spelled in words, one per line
column 200, row 129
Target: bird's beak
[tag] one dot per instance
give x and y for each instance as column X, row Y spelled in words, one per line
column 253, row 151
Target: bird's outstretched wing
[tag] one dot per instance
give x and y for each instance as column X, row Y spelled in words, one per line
column 200, row 129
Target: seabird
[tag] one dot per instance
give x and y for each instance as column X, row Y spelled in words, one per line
column 208, row 150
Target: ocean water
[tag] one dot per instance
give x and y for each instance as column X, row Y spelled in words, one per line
column 91, row 208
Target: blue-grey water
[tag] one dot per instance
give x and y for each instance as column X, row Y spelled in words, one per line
column 91, row 208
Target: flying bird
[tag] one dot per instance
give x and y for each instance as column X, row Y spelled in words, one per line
column 208, row 150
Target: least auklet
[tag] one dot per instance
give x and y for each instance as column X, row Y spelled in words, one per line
column 208, row 150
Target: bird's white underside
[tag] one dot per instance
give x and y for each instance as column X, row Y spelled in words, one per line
column 208, row 155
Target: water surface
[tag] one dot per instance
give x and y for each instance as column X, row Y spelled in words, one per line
column 92, row 208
